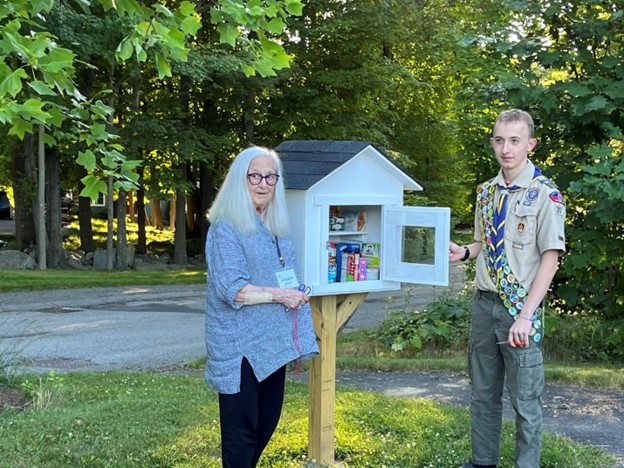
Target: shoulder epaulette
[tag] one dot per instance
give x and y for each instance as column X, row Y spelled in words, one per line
column 549, row 183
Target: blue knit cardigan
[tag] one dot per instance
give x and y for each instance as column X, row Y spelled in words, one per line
column 262, row 333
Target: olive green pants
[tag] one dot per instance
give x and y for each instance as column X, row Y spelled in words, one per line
column 490, row 364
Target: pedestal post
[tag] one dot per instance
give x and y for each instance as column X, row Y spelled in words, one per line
column 329, row 313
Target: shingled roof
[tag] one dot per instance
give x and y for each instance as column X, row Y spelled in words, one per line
column 308, row 161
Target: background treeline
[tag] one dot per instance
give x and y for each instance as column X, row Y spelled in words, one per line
column 422, row 80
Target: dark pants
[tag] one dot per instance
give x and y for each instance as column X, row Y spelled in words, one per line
column 249, row 418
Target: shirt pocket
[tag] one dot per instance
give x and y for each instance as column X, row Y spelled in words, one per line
column 521, row 225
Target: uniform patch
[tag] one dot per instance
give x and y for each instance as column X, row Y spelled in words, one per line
column 532, row 194
column 556, row 197
column 520, row 228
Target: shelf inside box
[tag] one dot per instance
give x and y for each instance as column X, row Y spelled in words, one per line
column 347, row 233
column 353, row 287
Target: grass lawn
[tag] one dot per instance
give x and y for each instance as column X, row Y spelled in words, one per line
column 35, row 280
column 147, row 420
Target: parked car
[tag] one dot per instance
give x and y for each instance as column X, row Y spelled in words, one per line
column 6, row 210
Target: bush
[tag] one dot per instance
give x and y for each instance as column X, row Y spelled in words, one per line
column 443, row 325
column 586, row 338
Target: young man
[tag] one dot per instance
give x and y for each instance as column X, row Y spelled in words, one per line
column 518, row 238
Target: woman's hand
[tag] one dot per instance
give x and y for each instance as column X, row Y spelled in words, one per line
column 291, row 298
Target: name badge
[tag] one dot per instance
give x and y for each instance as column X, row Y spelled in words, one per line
column 287, row 278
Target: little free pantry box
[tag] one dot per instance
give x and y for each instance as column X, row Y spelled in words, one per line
column 351, row 230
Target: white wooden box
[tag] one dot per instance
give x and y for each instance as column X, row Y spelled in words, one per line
column 354, row 176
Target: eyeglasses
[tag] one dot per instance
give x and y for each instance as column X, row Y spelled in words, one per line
column 255, row 178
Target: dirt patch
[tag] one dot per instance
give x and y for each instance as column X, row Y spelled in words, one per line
column 11, row 398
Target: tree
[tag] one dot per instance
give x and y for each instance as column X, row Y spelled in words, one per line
column 48, row 95
column 564, row 62
column 391, row 87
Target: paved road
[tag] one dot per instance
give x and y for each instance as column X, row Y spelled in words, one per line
column 7, row 227
column 108, row 328
column 138, row 327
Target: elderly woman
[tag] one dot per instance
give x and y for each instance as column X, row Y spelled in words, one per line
column 257, row 320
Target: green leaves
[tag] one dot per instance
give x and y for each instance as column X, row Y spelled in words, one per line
column 563, row 63
column 11, row 81
column 92, row 187
column 442, row 325
column 157, row 26
column 258, row 20
column 163, row 66
column 294, row 7
column 41, row 88
column 57, row 60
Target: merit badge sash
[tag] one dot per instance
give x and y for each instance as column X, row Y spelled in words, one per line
column 492, row 223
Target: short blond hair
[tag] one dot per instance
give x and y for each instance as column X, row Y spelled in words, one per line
column 517, row 115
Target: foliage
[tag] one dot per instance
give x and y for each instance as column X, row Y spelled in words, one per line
column 361, row 350
column 594, row 271
column 564, row 63
column 584, row 338
column 259, row 20
column 391, row 88
column 43, row 392
column 38, row 71
column 37, row 85
column 441, row 325
column 71, row 239
column 141, row 419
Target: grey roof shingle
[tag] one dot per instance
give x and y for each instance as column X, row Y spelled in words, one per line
column 308, row 161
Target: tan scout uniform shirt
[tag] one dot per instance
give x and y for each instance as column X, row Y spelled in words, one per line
column 534, row 223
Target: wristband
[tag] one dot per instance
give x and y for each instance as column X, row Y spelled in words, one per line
column 466, row 254
column 532, row 319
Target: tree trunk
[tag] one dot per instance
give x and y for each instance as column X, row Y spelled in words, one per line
column 131, row 207
column 193, row 201
column 84, row 216
column 122, row 244
column 40, row 206
column 248, row 115
column 172, row 212
column 190, row 214
column 110, row 212
column 207, row 195
column 157, row 220
column 110, row 231
column 179, row 247
column 23, row 189
column 141, row 218
column 53, row 214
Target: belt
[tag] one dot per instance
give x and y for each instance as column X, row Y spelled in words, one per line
column 487, row 294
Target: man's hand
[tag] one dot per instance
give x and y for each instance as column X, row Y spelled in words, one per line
column 456, row 253
column 519, row 333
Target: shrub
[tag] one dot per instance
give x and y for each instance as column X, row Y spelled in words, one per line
column 444, row 324
column 584, row 338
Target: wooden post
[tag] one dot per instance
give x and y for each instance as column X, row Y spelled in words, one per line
column 329, row 313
